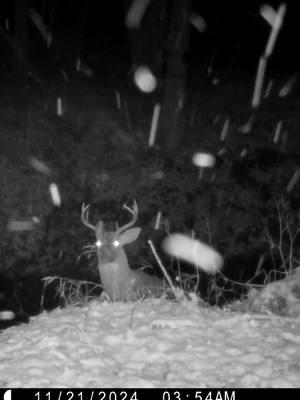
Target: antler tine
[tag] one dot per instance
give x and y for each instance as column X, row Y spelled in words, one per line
column 85, row 217
column 134, row 211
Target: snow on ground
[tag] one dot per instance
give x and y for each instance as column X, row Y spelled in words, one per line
column 151, row 343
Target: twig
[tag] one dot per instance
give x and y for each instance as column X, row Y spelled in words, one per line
column 162, row 267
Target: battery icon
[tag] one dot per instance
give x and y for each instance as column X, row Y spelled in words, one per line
column 7, row 395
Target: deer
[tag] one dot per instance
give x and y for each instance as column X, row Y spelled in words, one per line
column 119, row 281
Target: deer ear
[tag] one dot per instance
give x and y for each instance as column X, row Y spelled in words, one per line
column 129, row 236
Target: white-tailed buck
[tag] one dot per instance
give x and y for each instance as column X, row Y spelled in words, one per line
column 119, row 281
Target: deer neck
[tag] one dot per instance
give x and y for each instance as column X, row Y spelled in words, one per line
column 115, row 276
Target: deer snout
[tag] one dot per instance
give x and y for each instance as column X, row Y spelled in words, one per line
column 107, row 251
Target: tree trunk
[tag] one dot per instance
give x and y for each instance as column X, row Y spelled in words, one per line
column 21, row 36
column 160, row 42
column 146, row 40
column 170, row 132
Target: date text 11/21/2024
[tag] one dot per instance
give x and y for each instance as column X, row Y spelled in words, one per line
column 118, row 394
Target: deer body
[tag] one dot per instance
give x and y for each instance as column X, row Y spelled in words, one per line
column 119, row 281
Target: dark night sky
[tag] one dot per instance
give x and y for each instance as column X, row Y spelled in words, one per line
column 231, row 23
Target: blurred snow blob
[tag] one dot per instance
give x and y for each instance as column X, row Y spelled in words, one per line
column 144, row 79
column 268, row 13
column 7, row 315
column 204, row 160
column 54, row 192
column 193, row 251
column 135, row 13
column 198, row 22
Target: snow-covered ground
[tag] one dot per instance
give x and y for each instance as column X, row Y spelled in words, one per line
column 151, row 343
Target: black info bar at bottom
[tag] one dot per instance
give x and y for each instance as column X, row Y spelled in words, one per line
column 143, row 394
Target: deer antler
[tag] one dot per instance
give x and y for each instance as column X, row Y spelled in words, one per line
column 134, row 211
column 85, row 217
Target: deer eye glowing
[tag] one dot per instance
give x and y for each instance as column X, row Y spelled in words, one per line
column 98, row 243
column 116, row 243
